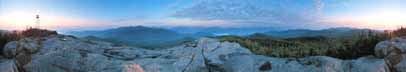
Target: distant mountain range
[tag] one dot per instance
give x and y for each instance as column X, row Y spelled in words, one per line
column 218, row 31
column 331, row 32
column 136, row 35
column 150, row 37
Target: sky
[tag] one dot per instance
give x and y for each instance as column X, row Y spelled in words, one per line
column 284, row 14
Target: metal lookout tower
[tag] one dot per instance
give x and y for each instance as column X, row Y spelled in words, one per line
column 37, row 22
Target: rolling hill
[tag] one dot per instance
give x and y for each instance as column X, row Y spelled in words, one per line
column 146, row 37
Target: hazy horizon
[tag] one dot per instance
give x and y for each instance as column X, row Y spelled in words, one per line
column 281, row 14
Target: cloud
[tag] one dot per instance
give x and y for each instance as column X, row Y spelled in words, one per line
column 319, row 4
column 255, row 12
column 219, row 9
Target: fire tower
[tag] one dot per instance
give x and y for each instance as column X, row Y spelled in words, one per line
column 37, row 23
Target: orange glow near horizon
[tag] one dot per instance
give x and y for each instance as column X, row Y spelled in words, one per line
column 19, row 20
column 388, row 19
column 380, row 20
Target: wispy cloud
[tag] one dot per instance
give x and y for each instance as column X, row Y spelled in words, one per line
column 223, row 13
column 268, row 13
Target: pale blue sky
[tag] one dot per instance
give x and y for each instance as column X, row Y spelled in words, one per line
column 96, row 14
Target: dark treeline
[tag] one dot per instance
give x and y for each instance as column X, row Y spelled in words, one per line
column 350, row 47
column 8, row 36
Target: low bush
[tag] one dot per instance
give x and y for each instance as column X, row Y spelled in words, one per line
column 7, row 36
column 361, row 44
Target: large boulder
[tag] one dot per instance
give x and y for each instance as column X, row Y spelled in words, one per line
column 369, row 64
column 60, row 53
column 26, row 45
column 394, row 53
column 10, row 49
column 74, row 61
column 69, row 54
column 391, row 47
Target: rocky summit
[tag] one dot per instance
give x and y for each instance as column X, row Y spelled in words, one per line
column 62, row 53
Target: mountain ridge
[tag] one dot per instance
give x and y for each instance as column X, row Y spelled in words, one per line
column 137, row 36
column 330, row 32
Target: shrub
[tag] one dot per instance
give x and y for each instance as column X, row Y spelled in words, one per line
column 398, row 33
column 278, row 47
column 360, row 44
column 6, row 36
